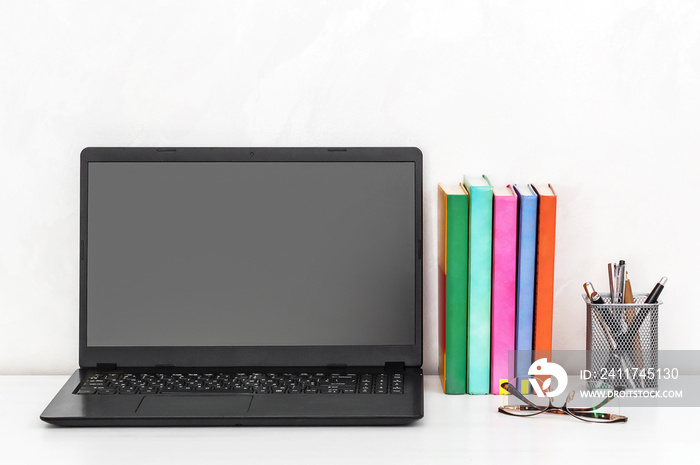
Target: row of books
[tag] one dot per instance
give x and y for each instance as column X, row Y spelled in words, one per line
column 496, row 281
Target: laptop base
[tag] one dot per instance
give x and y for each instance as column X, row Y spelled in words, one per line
column 70, row 409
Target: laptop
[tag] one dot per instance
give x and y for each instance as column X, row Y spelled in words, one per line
column 248, row 286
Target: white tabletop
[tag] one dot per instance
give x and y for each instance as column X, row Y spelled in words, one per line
column 461, row 429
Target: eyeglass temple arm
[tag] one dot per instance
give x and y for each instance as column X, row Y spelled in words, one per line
column 512, row 390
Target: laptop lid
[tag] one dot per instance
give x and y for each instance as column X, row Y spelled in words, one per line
column 225, row 257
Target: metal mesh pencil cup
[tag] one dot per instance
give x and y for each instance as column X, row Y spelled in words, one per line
column 622, row 344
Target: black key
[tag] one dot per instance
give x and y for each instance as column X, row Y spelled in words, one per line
column 241, row 390
column 86, row 390
column 106, row 391
column 96, row 382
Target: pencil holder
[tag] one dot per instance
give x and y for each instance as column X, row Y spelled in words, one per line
column 622, row 344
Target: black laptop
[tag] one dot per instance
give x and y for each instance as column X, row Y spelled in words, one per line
column 239, row 286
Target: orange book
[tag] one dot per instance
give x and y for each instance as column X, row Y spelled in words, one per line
column 544, row 270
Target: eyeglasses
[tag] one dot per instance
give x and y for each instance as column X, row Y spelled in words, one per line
column 589, row 414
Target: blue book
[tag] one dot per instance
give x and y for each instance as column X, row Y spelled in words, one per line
column 525, row 281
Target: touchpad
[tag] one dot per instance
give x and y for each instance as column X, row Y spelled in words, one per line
column 194, row 406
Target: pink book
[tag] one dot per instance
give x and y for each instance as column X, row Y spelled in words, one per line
column 505, row 239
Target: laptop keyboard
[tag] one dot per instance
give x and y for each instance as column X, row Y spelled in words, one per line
column 242, row 383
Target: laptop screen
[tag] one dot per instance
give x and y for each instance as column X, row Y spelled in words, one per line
column 251, row 254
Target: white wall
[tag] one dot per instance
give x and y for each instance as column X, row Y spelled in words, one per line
column 600, row 98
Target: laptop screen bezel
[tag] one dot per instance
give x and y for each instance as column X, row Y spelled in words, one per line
column 250, row 356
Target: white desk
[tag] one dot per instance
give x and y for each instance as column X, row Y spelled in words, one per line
column 456, row 429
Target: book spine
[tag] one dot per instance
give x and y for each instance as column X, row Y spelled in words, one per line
column 452, row 252
column 442, row 286
column 479, row 290
column 503, row 284
column 525, row 301
column 544, row 281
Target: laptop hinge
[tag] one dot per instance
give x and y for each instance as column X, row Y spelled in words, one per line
column 394, row 366
column 106, row 366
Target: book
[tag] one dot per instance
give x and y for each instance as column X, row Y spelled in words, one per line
column 544, row 274
column 505, row 228
column 479, row 283
column 525, row 287
column 453, row 212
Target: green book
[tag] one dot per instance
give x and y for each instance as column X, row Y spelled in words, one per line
column 452, row 277
column 479, row 284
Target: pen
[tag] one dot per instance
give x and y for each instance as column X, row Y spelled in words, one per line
column 605, row 321
column 620, row 283
column 611, row 279
column 652, row 298
column 593, row 296
column 656, row 292
column 606, row 330
column 629, row 318
column 621, row 297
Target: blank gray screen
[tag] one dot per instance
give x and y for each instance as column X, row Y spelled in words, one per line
column 250, row 254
